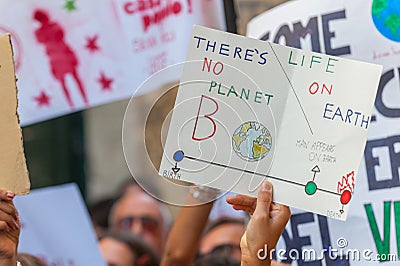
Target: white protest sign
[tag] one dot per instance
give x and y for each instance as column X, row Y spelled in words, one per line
column 56, row 227
column 71, row 55
column 368, row 31
column 248, row 109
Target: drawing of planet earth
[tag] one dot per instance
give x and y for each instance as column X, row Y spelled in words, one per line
column 251, row 141
column 386, row 17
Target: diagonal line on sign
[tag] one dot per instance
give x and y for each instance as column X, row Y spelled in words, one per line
column 297, row 98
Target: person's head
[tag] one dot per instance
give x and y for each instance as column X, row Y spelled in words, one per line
column 99, row 212
column 223, row 236
column 30, row 260
column 216, row 260
column 129, row 185
column 142, row 215
column 138, row 184
column 126, row 249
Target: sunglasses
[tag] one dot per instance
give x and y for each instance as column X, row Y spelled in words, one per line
column 148, row 223
column 224, row 249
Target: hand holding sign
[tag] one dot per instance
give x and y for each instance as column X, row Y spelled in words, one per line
column 264, row 228
column 9, row 229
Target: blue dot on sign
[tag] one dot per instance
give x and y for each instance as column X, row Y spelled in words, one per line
column 178, row 156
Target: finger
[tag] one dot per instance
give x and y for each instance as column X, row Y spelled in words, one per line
column 4, row 227
column 6, row 195
column 243, row 208
column 8, row 207
column 264, row 200
column 241, row 200
column 9, row 220
column 280, row 215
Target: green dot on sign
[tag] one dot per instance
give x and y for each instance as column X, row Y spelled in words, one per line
column 311, row 188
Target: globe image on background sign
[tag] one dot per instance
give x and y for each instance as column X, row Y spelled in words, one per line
column 251, row 141
column 386, row 17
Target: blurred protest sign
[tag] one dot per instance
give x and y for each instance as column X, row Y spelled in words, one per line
column 368, row 31
column 71, row 55
column 56, row 227
column 246, row 109
column 14, row 173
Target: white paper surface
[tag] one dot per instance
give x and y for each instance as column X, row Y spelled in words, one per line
column 56, row 227
column 299, row 118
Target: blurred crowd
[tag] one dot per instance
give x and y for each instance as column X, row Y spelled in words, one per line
column 133, row 228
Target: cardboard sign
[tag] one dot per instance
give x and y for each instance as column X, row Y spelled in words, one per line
column 56, row 227
column 247, row 110
column 14, row 173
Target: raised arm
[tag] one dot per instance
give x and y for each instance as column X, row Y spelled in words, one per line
column 185, row 235
column 265, row 226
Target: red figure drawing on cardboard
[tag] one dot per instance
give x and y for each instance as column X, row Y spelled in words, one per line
column 62, row 59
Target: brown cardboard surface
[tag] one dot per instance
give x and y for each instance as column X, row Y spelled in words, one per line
column 13, row 171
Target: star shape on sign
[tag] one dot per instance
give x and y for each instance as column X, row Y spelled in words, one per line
column 91, row 43
column 105, row 82
column 43, row 99
column 70, row 5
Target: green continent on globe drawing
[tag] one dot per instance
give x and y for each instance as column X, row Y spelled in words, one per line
column 378, row 6
column 392, row 22
column 252, row 141
column 386, row 17
column 259, row 149
column 239, row 137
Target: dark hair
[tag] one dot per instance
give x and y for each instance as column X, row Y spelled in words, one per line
column 145, row 254
column 223, row 220
column 30, row 260
column 216, row 260
column 99, row 211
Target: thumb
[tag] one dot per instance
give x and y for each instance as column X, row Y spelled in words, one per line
column 264, row 199
column 280, row 215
